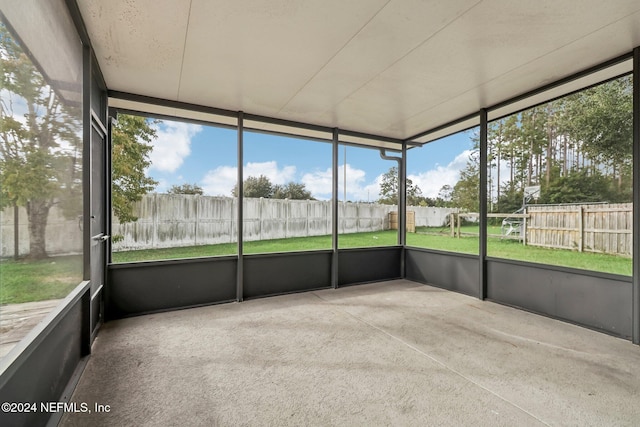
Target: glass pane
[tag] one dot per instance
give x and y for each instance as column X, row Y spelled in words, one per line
column 287, row 194
column 172, row 190
column 442, row 194
column 40, row 170
column 368, row 195
column 560, row 181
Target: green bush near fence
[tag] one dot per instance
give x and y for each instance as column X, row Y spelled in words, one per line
column 55, row 278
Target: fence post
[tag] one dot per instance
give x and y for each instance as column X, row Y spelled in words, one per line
column 261, row 216
column 581, row 229
column 458, row 217
column 16, row 232
column 154, row 220
column 524, row 227
column 287, row 216
column 452, row 224
column 306, row 223
column 197, row 221
column 234, row 220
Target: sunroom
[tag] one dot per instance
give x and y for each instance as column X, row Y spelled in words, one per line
column 470, row 165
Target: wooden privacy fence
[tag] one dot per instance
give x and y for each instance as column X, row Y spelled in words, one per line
column 606, row 228
column 602, row 228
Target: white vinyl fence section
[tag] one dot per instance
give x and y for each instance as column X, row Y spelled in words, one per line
column 63, row 235
column 177, row 220
column 431, row 217
column 166, row 220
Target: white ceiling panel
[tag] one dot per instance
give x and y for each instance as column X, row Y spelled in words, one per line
column 394, row 33
column 255, row 55
column 392, row 68
column 481, row 47
column 556, row 65
column 139, row 43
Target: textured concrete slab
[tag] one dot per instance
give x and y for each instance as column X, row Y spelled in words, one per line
column 16, row 320
column 392, row 353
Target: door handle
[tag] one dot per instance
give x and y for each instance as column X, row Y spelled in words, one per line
column 101, row 237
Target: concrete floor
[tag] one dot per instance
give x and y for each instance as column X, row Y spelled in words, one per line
column 17, row 320
column 392, row 353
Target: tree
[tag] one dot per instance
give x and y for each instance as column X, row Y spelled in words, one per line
column 510, row 199
column 465, row 194
column 131, row 140
column 445, row 193
column 292, row 190
column 186, row 189
column 414, row 194
column 40, row 147
column 255, row 187
column 602, row 119
column 579, row 186
column 389, row 189
column 40, row 154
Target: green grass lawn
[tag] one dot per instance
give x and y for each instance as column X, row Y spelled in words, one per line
column 439, row 238
column 380, row 238
column 24, row 281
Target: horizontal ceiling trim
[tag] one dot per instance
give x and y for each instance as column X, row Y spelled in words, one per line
column 168, row 117
column 284, row 134
column 452, row 123
column 171, row 104
column 529, row 94
column 495, row 114
column 549, row 86
column 370, row 136
column 247, row 116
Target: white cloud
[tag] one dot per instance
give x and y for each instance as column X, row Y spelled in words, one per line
column 431, row 181
column 505, row 176
column 172, row 145
column 370, row 192
column 319, row 183
column 221, row 180
column 271, row 171
column 162, row 186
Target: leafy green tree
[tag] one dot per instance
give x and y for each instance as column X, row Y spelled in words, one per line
column 576, row 147
column 510, row 199
column 580, row 186
column 389, row 189
column 40, row 147
column 414, row 194
column 255, row 187
column 131, row 140
column 291, row 190
column 601, row 118
column 445, row 193
column 465, row 194
column 186, row 189
column 40, row 155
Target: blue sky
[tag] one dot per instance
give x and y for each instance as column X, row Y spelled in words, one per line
column 204, row 155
